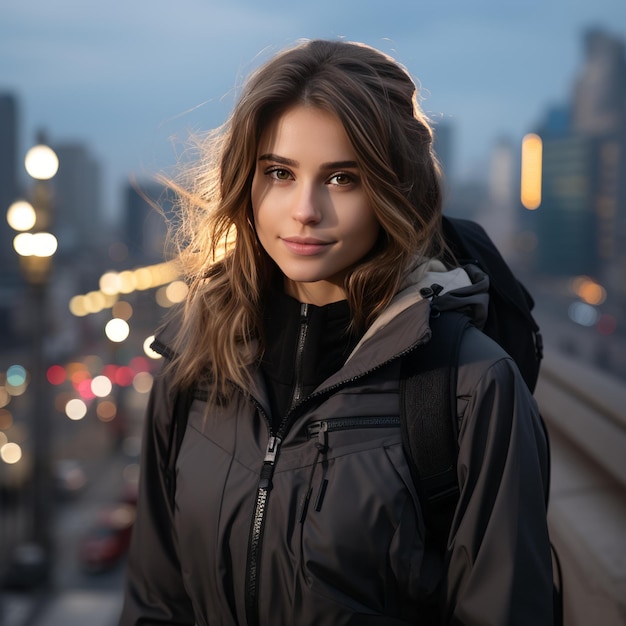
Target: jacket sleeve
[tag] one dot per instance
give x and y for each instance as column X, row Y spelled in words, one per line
column 154, row 591
column 499, row 555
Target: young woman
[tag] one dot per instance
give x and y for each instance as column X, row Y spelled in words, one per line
column 307, row 242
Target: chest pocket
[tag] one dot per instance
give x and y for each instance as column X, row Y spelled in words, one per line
column 360, row 515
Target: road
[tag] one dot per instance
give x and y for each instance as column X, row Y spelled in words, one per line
column 77, row 598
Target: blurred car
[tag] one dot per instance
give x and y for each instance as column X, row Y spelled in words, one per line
column 106, row 542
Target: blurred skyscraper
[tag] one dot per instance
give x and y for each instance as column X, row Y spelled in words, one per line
column 10, row 279
column 582, row 217
column 77, row 214
column 9, row 186
column 443, row 145
column 500, row 213
column 599, row 94
column 147, row 207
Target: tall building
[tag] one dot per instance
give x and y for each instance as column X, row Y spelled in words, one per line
column 499, row 216
column 77, row 215
column 599, row 97
column 9, row 187
column 147, row 207
column 566, row 224
column 443, row 146
column 10, row 278
column 599, row 113
column 582, row 217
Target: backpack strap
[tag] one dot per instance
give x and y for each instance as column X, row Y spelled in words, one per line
column 429, row 422
column 180, row 415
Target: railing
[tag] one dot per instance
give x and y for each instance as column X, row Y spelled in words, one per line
column 585, row 411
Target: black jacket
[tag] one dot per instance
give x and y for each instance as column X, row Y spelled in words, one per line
column 320, row 522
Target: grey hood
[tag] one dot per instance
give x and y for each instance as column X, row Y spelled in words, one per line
column 464, row 289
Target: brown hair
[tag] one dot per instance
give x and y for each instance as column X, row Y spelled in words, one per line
column 228, row 270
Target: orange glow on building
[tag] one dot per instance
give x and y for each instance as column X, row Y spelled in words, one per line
column 532, row 152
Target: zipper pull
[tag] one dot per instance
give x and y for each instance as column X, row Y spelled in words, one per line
column 322, row 437
column 272, row 449
column 267, row 471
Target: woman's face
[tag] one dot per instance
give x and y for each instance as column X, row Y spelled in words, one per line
column 311, row 213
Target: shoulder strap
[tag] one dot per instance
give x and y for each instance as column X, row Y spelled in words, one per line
column 180, row 415
column 429, row 421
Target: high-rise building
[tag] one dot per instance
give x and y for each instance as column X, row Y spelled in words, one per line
column 10, row 278
column 599, row 98
column 8, row 149
column 582, row 216
column 566, row 224
column 443, row 140
column 9, row 186
column 499, row 215
column 77, row 217
column 599, row 113
column 147, row 206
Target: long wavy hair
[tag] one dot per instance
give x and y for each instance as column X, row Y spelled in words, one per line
column 228, row 271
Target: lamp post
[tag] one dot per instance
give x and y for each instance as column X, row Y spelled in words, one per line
column 35, row 247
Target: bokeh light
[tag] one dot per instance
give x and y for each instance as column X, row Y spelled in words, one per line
column 6, row 419
column 10, row 453
column 101, row 386
column 5, row 397
column 35, row 244
column 84, row 389
column 124, row 376
column 606, row 324
column 56, row 375
column 149, row 352
column 16, row 380
column 16, row 375
column 76, row 409
column 122, row 310
column 106, row 410
column 41, row 162
column 21, row 215
column 117, row 330
column 583, row 314
column 143, row 382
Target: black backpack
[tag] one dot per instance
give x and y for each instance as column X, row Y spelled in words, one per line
column 428, row 382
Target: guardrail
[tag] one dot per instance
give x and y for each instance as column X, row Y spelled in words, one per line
column 585, row 411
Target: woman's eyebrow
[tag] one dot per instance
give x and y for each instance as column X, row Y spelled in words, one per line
column 278, row 159
column 338, row 165
column 331, row 165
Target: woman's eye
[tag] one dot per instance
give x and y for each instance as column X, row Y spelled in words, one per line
column 279, row 173
column 341, row 179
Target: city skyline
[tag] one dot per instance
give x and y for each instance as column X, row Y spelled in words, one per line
column 131, row 82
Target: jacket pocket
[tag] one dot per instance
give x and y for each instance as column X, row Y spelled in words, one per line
column 361, row 531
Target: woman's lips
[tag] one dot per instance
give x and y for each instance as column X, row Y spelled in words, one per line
column 305, row 246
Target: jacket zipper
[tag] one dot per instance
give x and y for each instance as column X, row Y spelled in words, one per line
column 265, row 483
column 255, row 541
column 304, row 330
column 321, row 428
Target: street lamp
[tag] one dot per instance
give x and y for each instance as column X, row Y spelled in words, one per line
column 35, row 246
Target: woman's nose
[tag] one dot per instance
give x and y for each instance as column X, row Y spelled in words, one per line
column 307, row 207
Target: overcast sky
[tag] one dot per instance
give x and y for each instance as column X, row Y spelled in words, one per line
column 131, row 78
